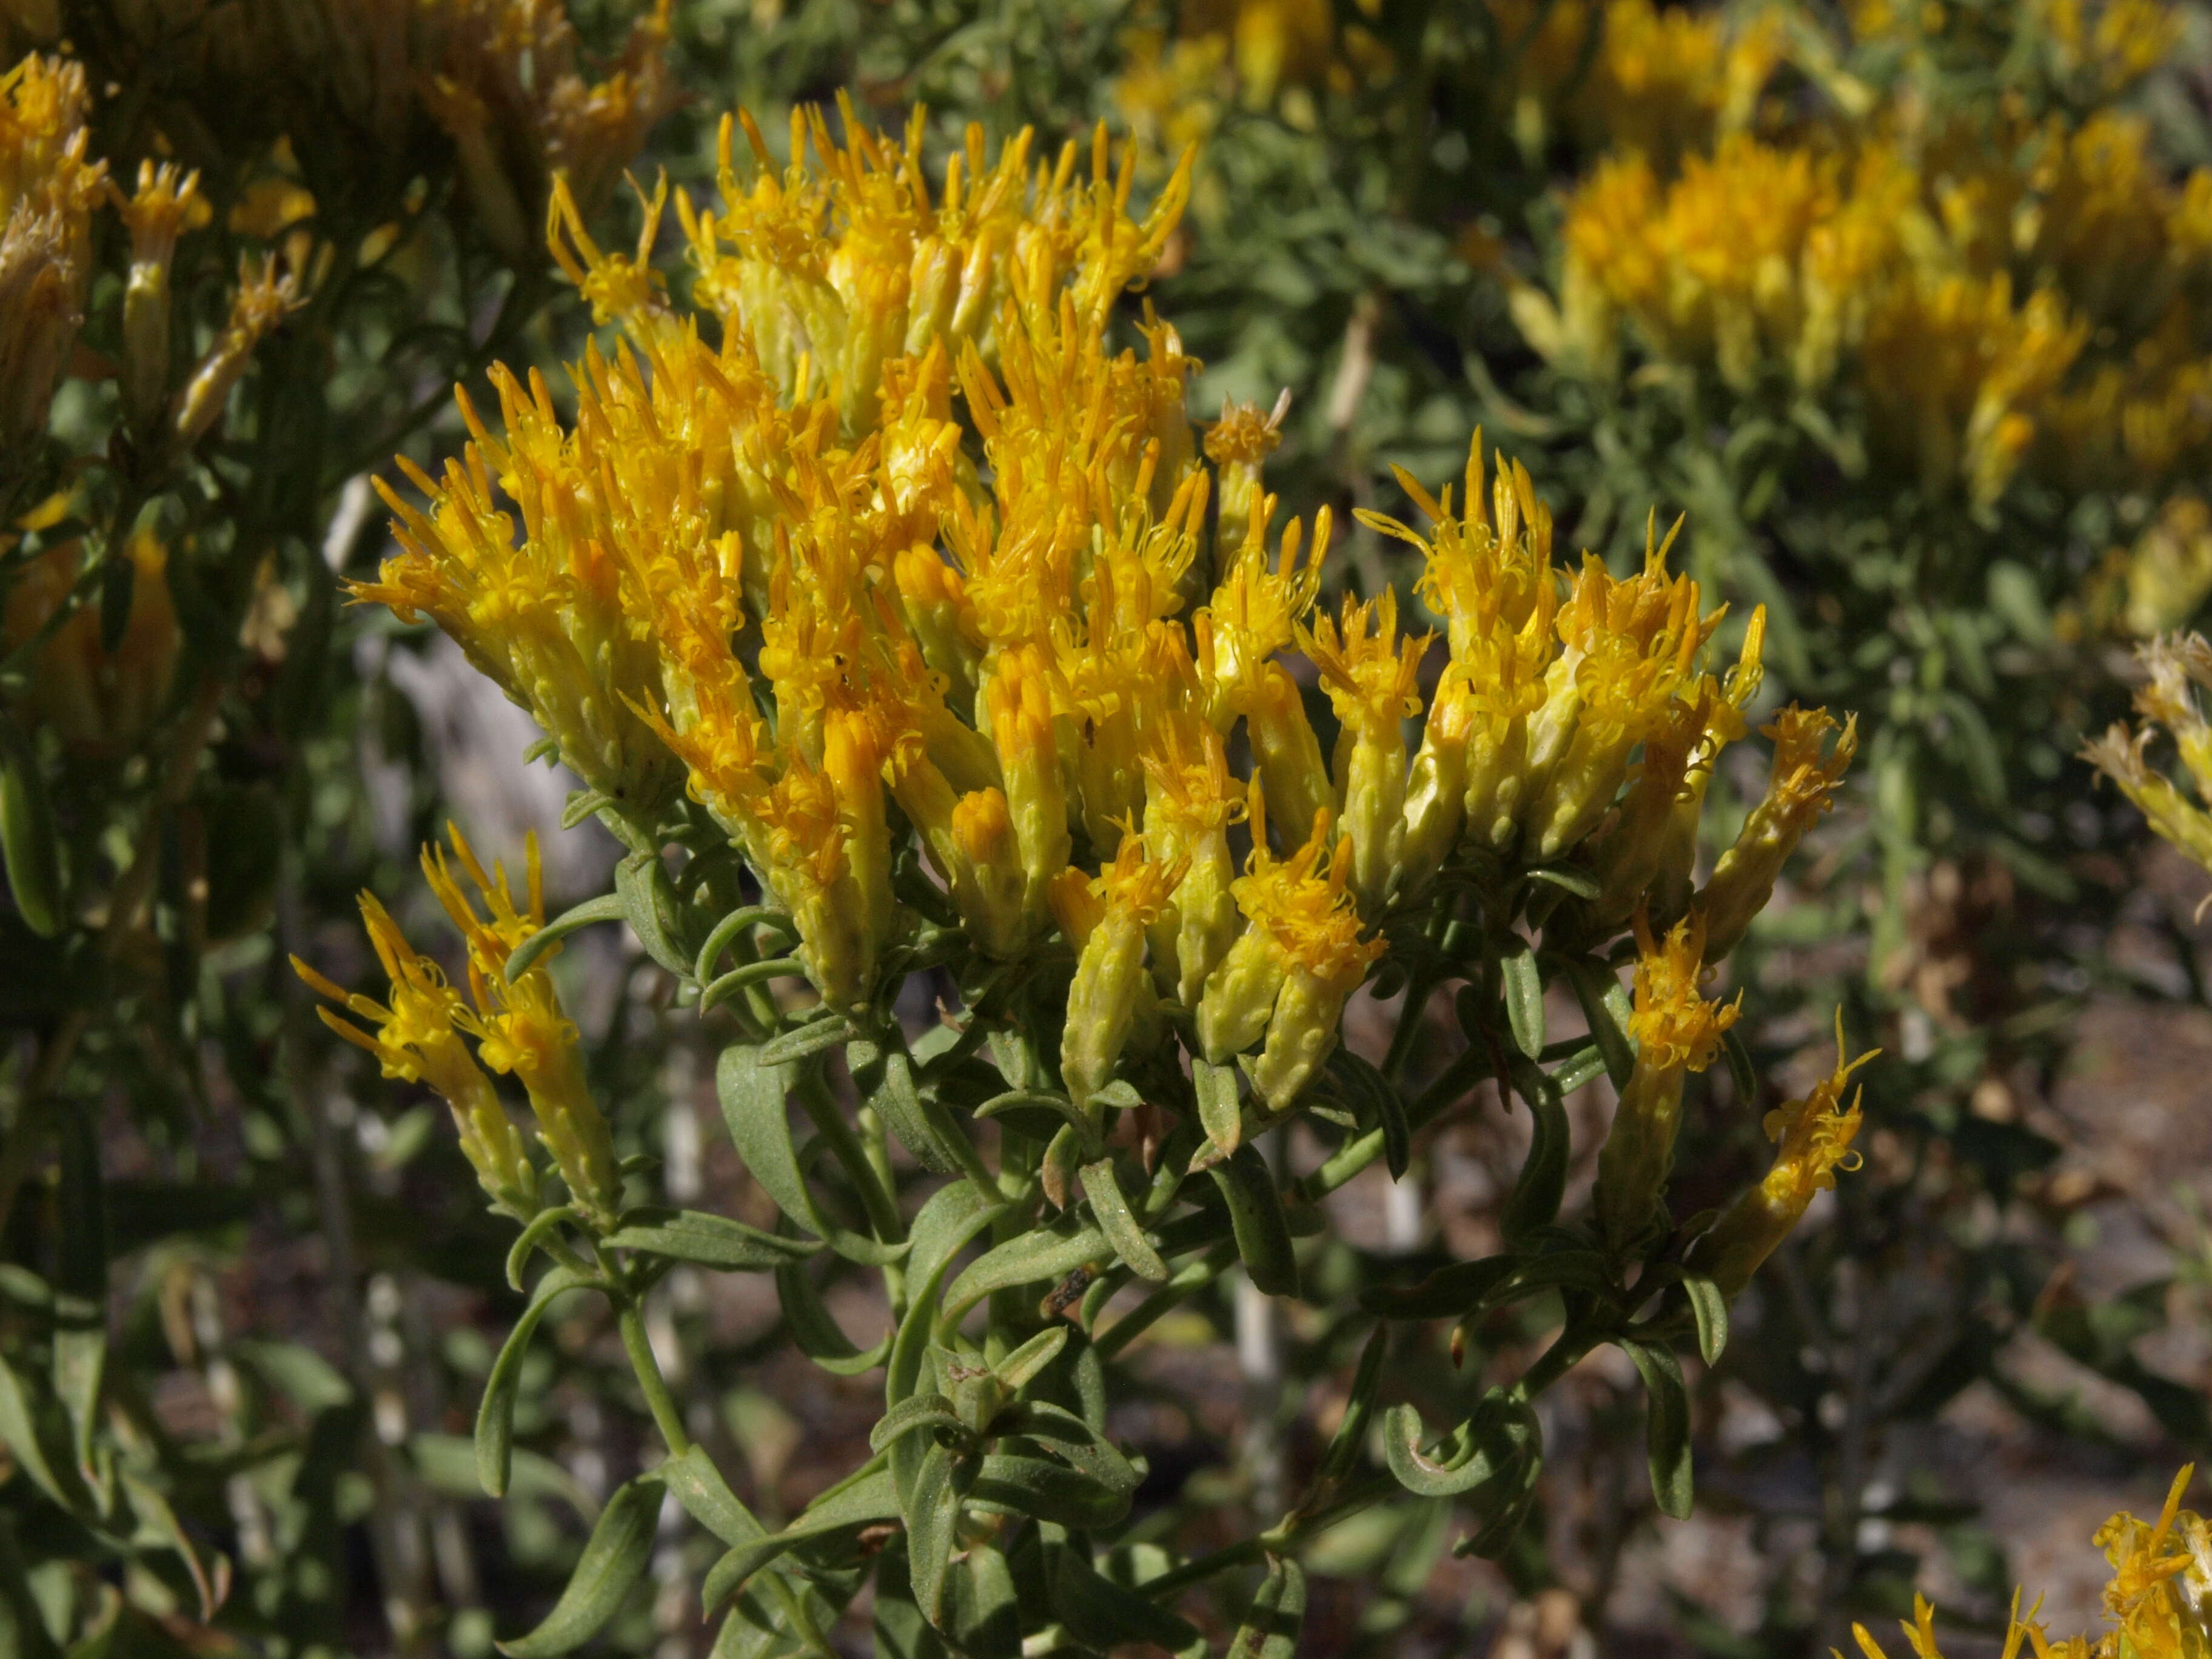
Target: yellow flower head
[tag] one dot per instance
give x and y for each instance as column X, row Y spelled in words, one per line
column 1674, row 1025
column 1256, row 610
column 414, row 1037
column 1802, row 786
column 1815, row 1138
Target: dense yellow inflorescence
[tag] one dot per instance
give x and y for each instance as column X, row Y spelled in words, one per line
column 2018, row 294
column 2158, row 1602
column 887, row 546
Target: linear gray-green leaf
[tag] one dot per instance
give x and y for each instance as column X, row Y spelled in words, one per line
column 495, row 1416
column 614, row 1559
column 713, row 1241
column 1119, row 1222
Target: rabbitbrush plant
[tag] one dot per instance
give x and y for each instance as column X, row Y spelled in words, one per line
column 968, row 722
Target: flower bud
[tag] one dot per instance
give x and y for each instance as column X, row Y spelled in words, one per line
column 1435, row 791
column 1019, row 701
column 520, row 1028
column 1109, row 970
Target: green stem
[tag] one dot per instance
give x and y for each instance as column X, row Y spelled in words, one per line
column 844, row 1146
column 630, row 1319
column 1179, row 1289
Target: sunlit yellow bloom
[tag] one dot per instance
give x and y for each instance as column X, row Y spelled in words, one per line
column 2157, row 1600
column 1813, row 1140
column 1191, row 798
column 1254, row 614
column 519, row 1024
column 1677, row 1030
column 1487, row 570
column 1238, row 445
column 517, row 1027
column 1288, row 973
column 1629, row 646
column 1801, row 787
column 1372, row 678
column 1656, row 81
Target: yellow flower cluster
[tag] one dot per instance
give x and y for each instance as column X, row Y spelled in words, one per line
column 48, row 189
column 1176, row 86
column 353, row 84
column 102, row 701
column 517, row 1027
column 2175, row 667
column 789, row 568
column 2029, row 292
column 2158, row 1602
column 1655, row 81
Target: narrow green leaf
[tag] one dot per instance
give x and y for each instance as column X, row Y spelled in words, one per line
column 495, row 1416
column 1046, row 1491
column 1710, row 1307
column 608, row 907
column 1100, row 1613
column 932, row 1525
column 1524, row 996
column 1667, row 1426
column 534, row 1234
column 1580, row 882
column 1591, row 980
column 713, row 1241
column 986, row 1615
column 884, row 1076
column 1049, row 1252
column 614, row 1559
column 1069, row 1437
column 752, row 1091
column 1535, row 1198
column 30, row 842
column 19, row 1433
column 819, row 1336
column 706, row 1497
column 1119, row 1223
column 1255, row 1213
column 854, row 1504
column 1219, row 1111
column 1351, row 1436
column 155, row 1526
column 824, row 1031
column 1018, row 1368
column 1741, row 1073
column 1270, row 1630
column 915, row 1411
column 649, row 905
